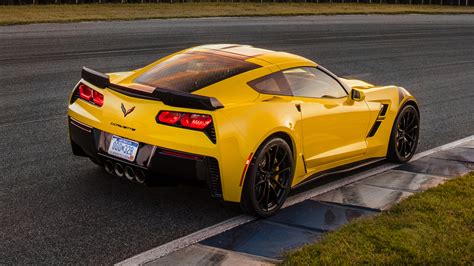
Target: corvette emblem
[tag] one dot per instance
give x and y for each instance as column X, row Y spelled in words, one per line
column 125, row 111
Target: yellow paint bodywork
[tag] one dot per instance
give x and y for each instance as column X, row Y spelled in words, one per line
column 328, row 133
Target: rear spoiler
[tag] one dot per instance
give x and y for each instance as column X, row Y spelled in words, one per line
column 168, row 97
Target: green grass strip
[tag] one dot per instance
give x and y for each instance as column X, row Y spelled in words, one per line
column 433, row 227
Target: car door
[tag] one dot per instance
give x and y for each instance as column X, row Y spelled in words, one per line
column 334, row 127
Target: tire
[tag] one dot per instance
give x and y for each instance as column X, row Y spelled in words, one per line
column 405, row 135
column 267, row 184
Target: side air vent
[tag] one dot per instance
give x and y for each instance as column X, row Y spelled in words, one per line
column 214, row 178
column 383, row 110
column 380, row 118
column 374, row 129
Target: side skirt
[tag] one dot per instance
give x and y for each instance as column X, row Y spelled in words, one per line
column 339, row 170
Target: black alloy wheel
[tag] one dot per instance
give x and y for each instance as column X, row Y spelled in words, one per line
column 405, row 135
column 268, row 179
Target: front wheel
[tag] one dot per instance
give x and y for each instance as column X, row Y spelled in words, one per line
column 404, row 136
column 268, row 179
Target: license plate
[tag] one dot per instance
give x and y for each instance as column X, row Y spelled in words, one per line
column 123, row 148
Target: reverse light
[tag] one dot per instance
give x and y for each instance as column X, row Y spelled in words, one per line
column 186, row 120
column 89, row 95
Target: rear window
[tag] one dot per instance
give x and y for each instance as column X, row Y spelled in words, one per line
column 192, row 71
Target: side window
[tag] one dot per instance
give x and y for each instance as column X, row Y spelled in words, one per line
column 314, row 83
column 274, row 83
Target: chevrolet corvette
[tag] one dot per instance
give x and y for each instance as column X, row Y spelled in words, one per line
column 250, row 123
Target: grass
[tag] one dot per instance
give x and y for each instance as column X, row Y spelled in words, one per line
column 433, row 227
column 73, row 13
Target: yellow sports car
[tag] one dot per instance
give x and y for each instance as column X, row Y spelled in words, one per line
column 251, row 123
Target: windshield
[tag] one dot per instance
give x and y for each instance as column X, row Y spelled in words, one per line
column 192, row 71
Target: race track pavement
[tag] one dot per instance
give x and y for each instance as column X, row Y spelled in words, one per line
column 57, row 208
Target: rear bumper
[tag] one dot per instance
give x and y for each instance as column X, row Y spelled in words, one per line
column 159, row 164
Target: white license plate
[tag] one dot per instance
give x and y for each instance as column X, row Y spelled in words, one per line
column 123, row 148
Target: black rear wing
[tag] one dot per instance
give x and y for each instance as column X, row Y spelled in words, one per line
column 168, row 97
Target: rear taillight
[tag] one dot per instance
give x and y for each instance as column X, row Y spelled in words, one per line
column 90, row 95
column 98, row 98
column 168, row 117
column 187, row 120
column 85, row 92
column 196, row 121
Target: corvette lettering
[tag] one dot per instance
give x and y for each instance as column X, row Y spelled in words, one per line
column 122, row 126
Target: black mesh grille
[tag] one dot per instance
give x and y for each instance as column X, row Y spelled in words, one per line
column 214, row 178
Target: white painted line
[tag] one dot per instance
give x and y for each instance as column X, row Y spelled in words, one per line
column 442, row 147
column 210, row 231
column 185, row 241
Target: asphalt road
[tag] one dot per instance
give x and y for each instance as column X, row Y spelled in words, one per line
column 57, row 208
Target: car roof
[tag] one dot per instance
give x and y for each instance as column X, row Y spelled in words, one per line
column 263, row 57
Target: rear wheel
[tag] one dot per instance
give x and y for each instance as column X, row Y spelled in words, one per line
column 268, row 179
column 404, row 136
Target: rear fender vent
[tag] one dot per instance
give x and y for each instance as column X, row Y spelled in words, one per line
column 211, row 133
column 214, row 178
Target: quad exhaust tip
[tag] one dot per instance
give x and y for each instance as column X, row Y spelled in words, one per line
column 118, row 170
column 109, row 167
column 129, row 173
column 140, row 176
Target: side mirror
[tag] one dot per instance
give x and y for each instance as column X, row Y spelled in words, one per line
column 357, row 95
